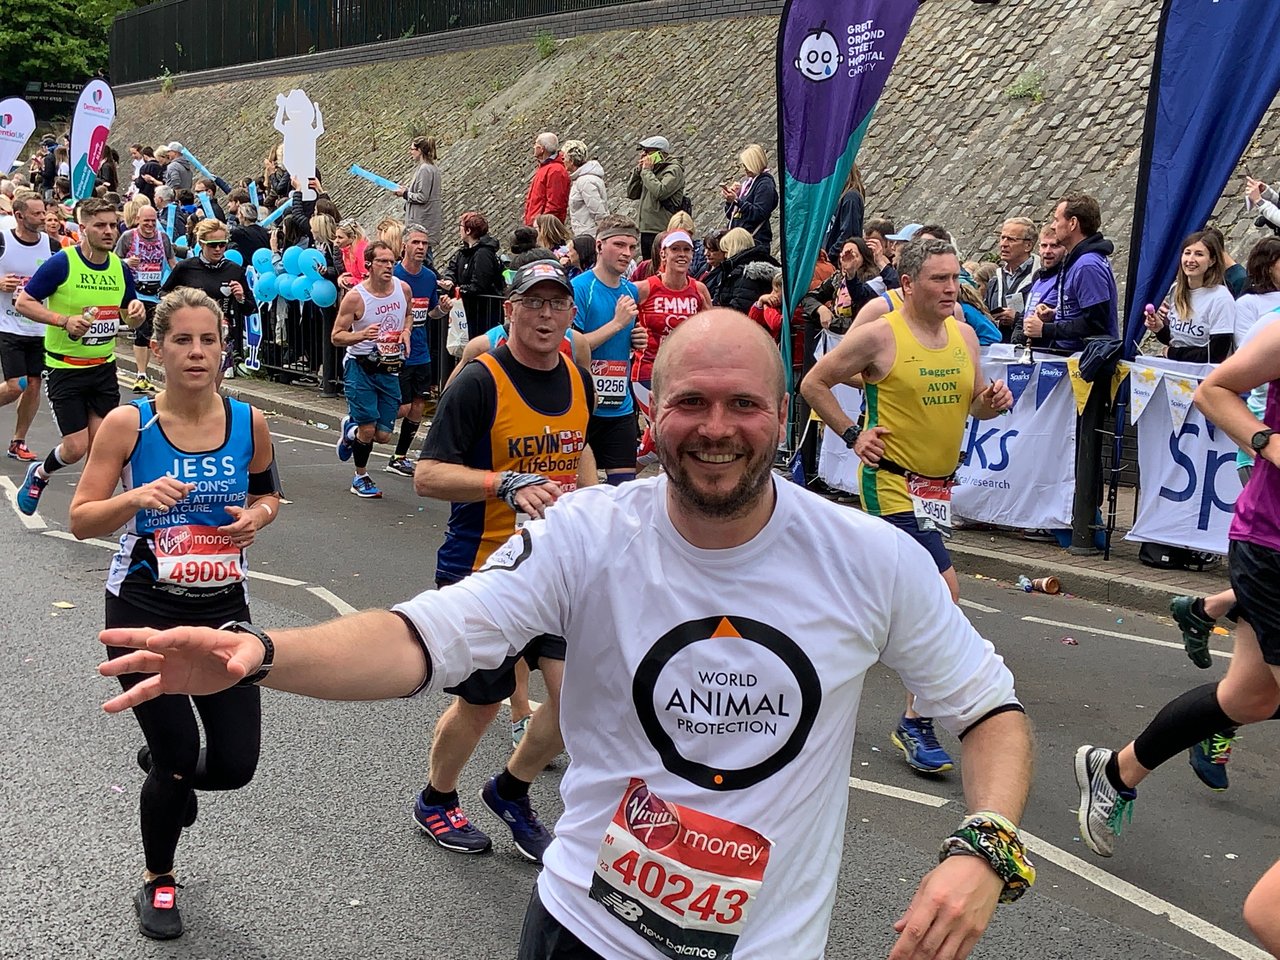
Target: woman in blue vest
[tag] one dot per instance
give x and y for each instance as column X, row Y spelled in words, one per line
column 198, row 482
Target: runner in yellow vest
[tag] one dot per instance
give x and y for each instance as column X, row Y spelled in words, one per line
column 88, row 290
column 923, row 378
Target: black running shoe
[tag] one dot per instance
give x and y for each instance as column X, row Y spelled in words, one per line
column 157, row 907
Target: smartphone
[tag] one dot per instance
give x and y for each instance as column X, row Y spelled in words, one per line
column 656, row 156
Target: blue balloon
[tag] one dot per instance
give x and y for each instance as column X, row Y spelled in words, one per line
column 236, row 257
column 284, row 287
column 262, row 260
column 291, row 258
column 301, row 288
column 324, row 293
column 311, row 262
column 267, row 288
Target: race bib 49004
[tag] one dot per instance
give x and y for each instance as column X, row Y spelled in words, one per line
column 681, row 879
column 196, row 556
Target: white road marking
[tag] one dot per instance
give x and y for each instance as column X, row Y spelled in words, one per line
column 897, row 793
column 978, row 606
column 1196, row 926
column 322, row 443
column 332, row 599
column 93, row 541
column 11, row 494
column 1117, row 634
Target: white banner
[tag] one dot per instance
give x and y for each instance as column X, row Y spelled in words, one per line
column 90, row 125
column 837, row 464
column 1019, row 468
column 17, row 123
column 1189, row 481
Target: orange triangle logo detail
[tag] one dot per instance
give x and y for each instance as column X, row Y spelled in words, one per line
column 725, row 629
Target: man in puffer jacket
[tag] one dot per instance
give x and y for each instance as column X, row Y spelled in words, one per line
column 658, row 183
column 588, row 199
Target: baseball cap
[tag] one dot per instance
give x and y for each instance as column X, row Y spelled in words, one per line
column 676, row 236
column 907, row 233
column 540, row 271
column 655, row 143
column 175, row 147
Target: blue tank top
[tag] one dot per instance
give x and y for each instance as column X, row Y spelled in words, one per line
column 178, row 553
column 611, row 361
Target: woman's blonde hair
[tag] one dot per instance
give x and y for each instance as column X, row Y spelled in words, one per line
column 681, row 220
column 736, row 241
column 391, row 232
column 208, row 227
column 131, row 208
column 182, row 298
column 552, row 232
column 323, row 228
column 753, row 159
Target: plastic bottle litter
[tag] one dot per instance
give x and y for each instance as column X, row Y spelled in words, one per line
column 1024, row 584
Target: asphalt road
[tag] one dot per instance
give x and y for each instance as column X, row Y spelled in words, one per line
column 319, row 856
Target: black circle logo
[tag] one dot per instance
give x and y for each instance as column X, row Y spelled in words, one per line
column 695, row 631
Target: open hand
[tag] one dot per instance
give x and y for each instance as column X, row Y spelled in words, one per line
column 949, row 912
column 191, row 660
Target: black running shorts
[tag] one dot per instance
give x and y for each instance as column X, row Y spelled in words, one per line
column 21, row 356
column 76, row 394
column 613, row 440
column 1255, row 577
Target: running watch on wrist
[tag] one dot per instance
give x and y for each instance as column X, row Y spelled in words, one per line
column 269, row 652
column 1260, row 440
column 850, row 436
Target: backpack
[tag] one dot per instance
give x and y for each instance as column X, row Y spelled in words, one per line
column 673, row 206
column 1164, row 557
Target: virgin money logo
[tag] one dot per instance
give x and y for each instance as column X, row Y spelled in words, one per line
column 173, row 541
column 649, row 819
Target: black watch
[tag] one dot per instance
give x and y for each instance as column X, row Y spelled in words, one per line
column 268, row 657
column 1260, row 440
column 850, row 436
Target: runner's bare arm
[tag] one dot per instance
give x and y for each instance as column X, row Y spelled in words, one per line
column 990, row 398
column 407, row 331
column 475, row 346
column 352, row 310
column 871, row 310
column 581, row 351
column 853, row 356
column 94, row 511
column 956, row 899
column 1218, row 396
column 624, row 316
column 34, row 309
column 372, row 655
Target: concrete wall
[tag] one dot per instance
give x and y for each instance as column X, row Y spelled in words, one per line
column 951, row 141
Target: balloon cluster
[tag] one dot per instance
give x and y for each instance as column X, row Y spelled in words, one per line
column 296, row 278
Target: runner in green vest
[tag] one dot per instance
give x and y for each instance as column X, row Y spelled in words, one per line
column 88, row 290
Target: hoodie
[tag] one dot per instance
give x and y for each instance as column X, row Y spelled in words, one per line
column 1043, row 290
column 588, row 199
column 178, row 175
column 1087, row 295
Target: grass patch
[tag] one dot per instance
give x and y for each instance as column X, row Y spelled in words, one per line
column 1028, row 86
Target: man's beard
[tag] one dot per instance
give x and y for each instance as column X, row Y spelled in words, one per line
column 734, row 503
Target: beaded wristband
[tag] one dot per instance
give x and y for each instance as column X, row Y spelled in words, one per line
column 994, row 839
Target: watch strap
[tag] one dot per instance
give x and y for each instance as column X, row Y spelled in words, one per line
column 269, row 651
column 1260, row 439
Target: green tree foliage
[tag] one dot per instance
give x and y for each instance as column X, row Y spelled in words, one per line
column 59, row 40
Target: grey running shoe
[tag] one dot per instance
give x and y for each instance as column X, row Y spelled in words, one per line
column 1103, row 808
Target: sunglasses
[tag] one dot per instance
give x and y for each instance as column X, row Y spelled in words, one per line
column 214, row 243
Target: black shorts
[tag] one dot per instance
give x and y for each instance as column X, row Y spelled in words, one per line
column 142, row 332
column 415, row 382
column 613, row 440
column 931, row 540
column 486, row 687
column 1255, row 577
column 545, row 938
column 21, row 356
column 76, row 394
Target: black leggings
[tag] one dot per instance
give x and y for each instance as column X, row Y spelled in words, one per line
column 232, row 723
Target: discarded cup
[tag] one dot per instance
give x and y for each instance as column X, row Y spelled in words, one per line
column 1049, row 585
column 1024, row 584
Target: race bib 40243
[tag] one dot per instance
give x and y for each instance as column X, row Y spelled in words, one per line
column 196, row 556
column 681, row 879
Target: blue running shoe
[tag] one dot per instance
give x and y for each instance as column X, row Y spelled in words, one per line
column 363, row 486
column 531, row 837
column 344, row 445
column 29, row 492
column 1209, row 759
column 449, row 827
column 918, row 743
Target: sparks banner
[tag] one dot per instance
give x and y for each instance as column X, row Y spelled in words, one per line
column 1214, row 76
column 1019, row 468
column 1189, row 480
column 17, row 123
column 834, row 57
column 90, row 125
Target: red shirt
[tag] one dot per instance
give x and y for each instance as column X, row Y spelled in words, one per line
column 663, row 311
column 549, row 191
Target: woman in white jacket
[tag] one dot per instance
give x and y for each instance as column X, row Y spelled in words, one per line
column 588, row 199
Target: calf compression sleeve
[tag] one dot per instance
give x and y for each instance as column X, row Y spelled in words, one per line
column 408, row 430
column 360, row 452
column 1182, row 723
